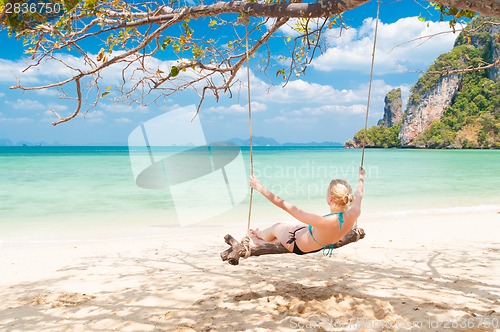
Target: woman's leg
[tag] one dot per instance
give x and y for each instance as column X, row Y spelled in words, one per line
column 279, row 232
column 268, row 234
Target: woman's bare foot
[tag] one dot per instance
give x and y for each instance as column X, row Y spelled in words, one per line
column 255, row 232
column 254, row 235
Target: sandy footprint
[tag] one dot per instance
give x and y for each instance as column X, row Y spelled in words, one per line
column 71, row 300
column 56, row 300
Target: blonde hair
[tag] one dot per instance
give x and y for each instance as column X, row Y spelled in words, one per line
column 341, row 193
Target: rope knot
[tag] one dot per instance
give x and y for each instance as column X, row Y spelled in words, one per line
column 245, row 242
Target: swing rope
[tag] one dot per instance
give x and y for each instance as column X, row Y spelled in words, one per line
column 369, row 96
column 246, row 240
column 370, row 85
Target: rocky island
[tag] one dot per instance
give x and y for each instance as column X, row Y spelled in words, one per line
column 455, row 104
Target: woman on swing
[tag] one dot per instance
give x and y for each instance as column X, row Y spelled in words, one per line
column 316, row 232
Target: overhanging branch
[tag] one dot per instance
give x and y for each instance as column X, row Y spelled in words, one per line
column 78, row 107
column 324, row 8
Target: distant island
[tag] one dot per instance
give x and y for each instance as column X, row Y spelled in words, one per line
column 267, row 141
column 256, row 141
column 8, row 142
column 453, row 105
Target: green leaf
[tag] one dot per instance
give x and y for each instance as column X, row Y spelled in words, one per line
column 89, row 4
column 186, row 27
column 177, row 47
column 197, row 51
column 174, row 71
column 470, row 14
column 165, row 43
column 105, row 94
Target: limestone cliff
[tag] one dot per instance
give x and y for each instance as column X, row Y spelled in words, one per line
column 393, row 109
column 422, row 112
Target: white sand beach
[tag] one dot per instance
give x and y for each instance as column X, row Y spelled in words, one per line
column 420, row 273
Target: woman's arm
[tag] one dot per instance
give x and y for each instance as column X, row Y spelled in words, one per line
column 358, row 194
column 294, row 211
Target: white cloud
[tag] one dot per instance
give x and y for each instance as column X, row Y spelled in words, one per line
column 25, row 104
column 238, row 108
column 329, row 109
column 51, row 71
column 123, row 120
column 300, row 91
column 11, row 71
column 2, row 94
column 288, row 119
column 121, row 107
column 405, row 43
column 50, row 114
column 54, row 71
column 309, row 115
column 8, row 70
column 305, row 105
column 94, row 116
column 58, row 107
column 14, row 120
column 47, row 92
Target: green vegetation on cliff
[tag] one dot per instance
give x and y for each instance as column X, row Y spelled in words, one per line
column 394, row 94
column 472, row 121
column 378, row 137
column 459, row 58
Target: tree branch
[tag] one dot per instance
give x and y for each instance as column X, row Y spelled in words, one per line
column 323, row 8
column 78, row 107
column 470, row 69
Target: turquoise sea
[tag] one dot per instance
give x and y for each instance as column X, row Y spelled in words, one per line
column 52, row 187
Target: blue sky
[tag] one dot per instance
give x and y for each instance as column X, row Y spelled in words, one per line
column 326, row 104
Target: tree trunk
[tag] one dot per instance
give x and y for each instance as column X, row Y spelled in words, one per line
column 232, row 255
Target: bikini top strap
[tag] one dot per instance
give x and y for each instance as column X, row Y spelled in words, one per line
column 340, row 216
column 327, row 248
column 310, row 228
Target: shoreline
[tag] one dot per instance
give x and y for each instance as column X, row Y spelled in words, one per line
column 92, row 227
column 437, row 270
